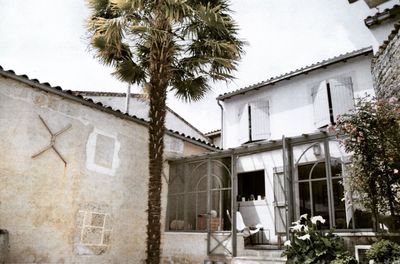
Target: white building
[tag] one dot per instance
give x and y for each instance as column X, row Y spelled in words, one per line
column 300, row 102
column 288, row 115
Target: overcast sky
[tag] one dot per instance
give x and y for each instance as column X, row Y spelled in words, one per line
column 45, row 39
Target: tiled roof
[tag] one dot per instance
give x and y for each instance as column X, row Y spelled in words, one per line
column 113, row 94
column 303, row 70
column 213, row 133
column 394, row 32
column 140, row 96
column 379, row 17
column 99, row 106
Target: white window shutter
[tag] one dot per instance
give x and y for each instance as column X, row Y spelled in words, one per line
column 341, row 95
column 260, row 125
column 243, row 131
column 321, row 105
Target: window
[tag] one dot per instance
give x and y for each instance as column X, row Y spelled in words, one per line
column 251, row 185
column 254, row 122
column 199, row 191
column 317, row 193
column 331, row 98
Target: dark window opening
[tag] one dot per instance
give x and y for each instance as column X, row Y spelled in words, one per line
column 251, row 185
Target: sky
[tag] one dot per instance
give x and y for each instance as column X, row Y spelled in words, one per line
column 47, row 40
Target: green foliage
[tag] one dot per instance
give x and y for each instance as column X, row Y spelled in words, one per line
column 195, row 40
column 384, row 252
column 372, row 135
column 164, row 45
column 308, row 245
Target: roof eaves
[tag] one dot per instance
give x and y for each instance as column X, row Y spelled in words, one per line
column 257, row 147
column 379, row 17
column 99, row 106
column 303, row 70
column 113, row 94
column 391, row 36
column 213, row 133
column 140, row 96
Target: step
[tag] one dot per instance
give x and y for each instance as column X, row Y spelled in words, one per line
column 272, row 253
column 258, row 260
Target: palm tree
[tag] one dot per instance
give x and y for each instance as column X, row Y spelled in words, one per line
column 164, row 45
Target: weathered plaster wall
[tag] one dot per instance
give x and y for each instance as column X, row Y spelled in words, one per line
column 91, row 209
column 140, row 108
column 386, row 66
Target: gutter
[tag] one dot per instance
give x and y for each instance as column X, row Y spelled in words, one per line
column 222, row 123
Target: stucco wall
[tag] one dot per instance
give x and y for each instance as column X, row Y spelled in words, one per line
column 140, row 108
column 386, row 67
column 91, row 209
column 290, row 101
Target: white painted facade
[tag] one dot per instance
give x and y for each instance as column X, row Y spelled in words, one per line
column 290, row 107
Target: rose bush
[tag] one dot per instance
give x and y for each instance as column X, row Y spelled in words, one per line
column 371, row 133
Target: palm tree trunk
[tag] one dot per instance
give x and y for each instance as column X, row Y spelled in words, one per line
column 160, row 61
column 156, row 150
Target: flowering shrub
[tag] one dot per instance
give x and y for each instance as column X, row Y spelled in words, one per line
column 310, row 246
column 384, row 252
column 372, row 134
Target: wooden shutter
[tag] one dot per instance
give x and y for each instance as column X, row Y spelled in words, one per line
column 260, row 125
column 279, row 202
column 321, row 105
column 341, row 95
column 243, row 131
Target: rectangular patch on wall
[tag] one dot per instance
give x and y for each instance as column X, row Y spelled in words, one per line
column 102, row 151
column 173, row 145
column 94, row 230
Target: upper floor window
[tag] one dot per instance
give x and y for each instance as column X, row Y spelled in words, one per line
column 254, row 122
column 331, row 98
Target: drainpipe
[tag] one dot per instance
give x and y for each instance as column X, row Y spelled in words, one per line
column 128, row 96
column 222, row 122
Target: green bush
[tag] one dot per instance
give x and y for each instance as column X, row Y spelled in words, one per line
column 372, row 136
column 384, row 252
column 308, row 245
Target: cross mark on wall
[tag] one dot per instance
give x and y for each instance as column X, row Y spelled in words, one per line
column 52, row 141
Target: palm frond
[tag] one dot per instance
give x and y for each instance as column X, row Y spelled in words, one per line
column 130, row 72
column 190, row 89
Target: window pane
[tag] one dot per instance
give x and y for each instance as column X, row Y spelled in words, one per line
column 320, row 201
column 343, row 214
column 304, row 198
column 318, row 171
column 251, row 184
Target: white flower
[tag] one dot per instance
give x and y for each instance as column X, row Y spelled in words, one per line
column 298, row 227
column 317, row 218
column 303, row 216
column 306, row 236
column 287, row 244
column 395, row 171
